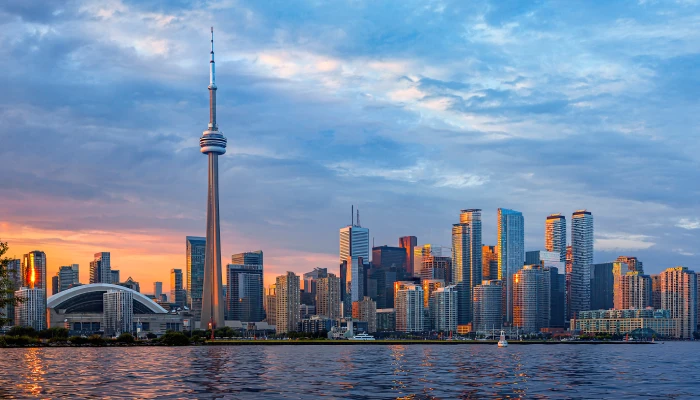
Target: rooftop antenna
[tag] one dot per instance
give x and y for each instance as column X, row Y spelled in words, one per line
column 352, row 215
column 358, row 217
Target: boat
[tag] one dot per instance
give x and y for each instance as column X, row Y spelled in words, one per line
column 502, row 341
column 362, row 336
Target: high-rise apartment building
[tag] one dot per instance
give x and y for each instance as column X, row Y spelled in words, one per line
column 619, row 269
column 633, row 263
column 248, row 258
column 602, row 286
column 76, row 273
column 328, row 297
column 54, row 285
column 271, row 305
column 467, row 260
column 408, row 243
column 557, row 296
column 34, row 270
column 354, row 248
column 366, row 310
column 409, row 307
column 30, row 311
column 444, row 309
column 65, row 278
column 310, row 280
column 679, row 292
column 436, row 263
column 656, row 291
column 531, row 299
column 178, row 295
column 511, row 252
column 555, row 235
column 118, row 312
column 14, row 274
column 244, row 297
column 488, row 306
column 635, row 291
column 101, row 269
column 582, row 251
column 429, row 286
column 287, row 299
column 195, row 252
column 489, row 260
column 157, row 289
column 115, row 276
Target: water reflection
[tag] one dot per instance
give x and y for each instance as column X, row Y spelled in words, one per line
column 358, row 371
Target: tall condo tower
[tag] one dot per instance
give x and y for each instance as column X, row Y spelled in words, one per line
column 212, row 143
column 582, row 260
column 511, row 252
column 555, row 235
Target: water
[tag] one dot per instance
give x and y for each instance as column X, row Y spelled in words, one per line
column 354, row 371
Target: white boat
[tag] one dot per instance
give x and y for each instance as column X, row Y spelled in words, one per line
column 362, row 336
column 502, row 341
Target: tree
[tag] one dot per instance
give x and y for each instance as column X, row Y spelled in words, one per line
column 126, row 337
column 175, row 339
column 7, row 289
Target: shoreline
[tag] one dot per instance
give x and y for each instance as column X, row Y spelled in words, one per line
column 398, row 342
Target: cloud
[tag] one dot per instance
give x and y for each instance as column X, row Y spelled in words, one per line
column 689, row 224
column 622, row 242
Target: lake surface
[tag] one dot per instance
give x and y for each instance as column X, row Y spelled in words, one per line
column 355, row 371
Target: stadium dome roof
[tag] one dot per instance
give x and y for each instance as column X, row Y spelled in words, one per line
column 88, row 299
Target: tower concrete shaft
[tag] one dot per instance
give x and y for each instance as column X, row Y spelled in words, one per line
column 212, row 143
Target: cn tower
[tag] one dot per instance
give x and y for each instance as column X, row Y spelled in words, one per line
column 212, row 144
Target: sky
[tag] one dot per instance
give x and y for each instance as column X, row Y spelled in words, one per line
column 409, row 110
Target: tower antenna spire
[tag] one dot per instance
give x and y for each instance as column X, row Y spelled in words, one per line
column 212, row 87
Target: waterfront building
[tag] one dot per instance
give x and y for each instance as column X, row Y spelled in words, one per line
column 557, row 296
column 14, row 274
column 408, row 243
column 602, row 286
column 488, row 306
column 30, row 310
column 353, row 272
column 118, row 312
column 489, row 260
column 157, row 289
column 306, row 311
column 409, row 307
column 582, row 252
column 461, row 266
column 195, row 253
column 555, row 235
column 328, row 296
column 65, row 278
column 386, row 320
column 619, row 269
column 646, row 322
column 679, row 296
column 656, row 291
column 366, row 310
column 531, row 301
column 511, row 252
column 271, row 305
column 213, row 144
column 248, row 258
column 34, row 270
column 244, row 297
column 429, row 286
column 633, row 263
column 316, row 324
column 83, row 310
column 100, row 268
column 310, row 280
column 287, row 299
column 114, row 277
column 178, row 295
column 444, row 309
column 635, row 291
column 354, row 249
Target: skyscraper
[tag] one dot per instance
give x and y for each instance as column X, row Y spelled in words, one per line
column 100, row 268
column 444, row 309
column 30, row 310
column 635, row 291
column 34, row 264
column 287, row 296
column 366, row 310
column 656, row 291
column 679, row 296
column 467, row 261
column 555, row 235
column 157, row 289
column 76, row 273
column 195, row 253
column 248, row 258
column 65, row 278
column 488, row 307
column 271, row 305
column 328, row 296
column 511, row 252
column 489, row 260
column 436, row 263
column 14, row 274
column 387, row 257
column 409, row 307
column 245, row 292
column 118, row 312
column 354, row 246
column 602, row 286
column 531, row 293
column 408, row 243
column 213, row 144
column 178, row 295
column 310, row 280
column 582, row 251
column 115, row 278
column 633, row 263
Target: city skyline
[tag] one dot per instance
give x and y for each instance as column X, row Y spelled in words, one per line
column 135, row 188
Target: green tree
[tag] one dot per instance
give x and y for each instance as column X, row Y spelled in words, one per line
column 126, row 337
column 7, row 290
column 175, row 339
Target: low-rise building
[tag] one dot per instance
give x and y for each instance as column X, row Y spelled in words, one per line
column 622, row 322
